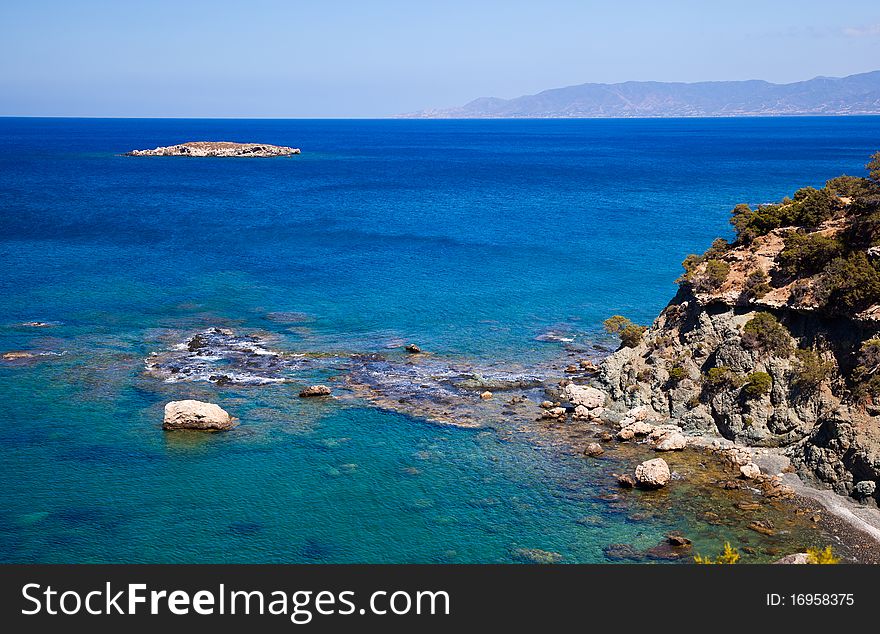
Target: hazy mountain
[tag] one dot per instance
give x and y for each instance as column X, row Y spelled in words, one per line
column 855, row 94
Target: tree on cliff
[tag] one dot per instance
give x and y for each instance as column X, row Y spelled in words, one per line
column 873, row 167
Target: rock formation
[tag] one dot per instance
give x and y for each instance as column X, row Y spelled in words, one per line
column 774, row 340
column 196, row 415
column 222, row 149
column 315, row 390
column 653, row 474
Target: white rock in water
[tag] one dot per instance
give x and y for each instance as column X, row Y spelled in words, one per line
column 653, row 474
column 315, row 390
column 584, row 395
column 196, row 415
column 796, row 558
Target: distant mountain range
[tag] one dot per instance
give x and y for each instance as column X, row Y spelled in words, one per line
column 855, row 94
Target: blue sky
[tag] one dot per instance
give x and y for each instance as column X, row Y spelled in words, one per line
column 372, row 58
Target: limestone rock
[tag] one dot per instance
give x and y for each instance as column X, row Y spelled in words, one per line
column 653, row 474
column 315, row 390
column 626, row 481
column 674, row 441
column 593, row 449
column 584, row 395
column 638, row 413
column 750, row 471
column 864, row 489
column 198, row 415
column 796, row 558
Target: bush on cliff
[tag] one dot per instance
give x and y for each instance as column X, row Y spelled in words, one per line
column 764, row 333
column 811, row 370
column 848, row 284
column 866, row 375
column 677, row 374
column 873, row 167
column 715, row 272
column 758, row 384
column 713, row 276
column 806, row 254
column 757, row 284
column 721, row 378
column 630, row 334
column 809, row 208
column 849, row 186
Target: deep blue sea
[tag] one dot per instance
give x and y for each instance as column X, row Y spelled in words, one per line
column 470, row 238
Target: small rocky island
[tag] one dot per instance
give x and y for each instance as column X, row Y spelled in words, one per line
column 219, row 149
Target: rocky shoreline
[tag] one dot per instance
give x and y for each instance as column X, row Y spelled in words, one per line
column 218, row 149
column 570, row 414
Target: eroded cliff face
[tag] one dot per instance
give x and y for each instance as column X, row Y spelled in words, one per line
column 698, row 366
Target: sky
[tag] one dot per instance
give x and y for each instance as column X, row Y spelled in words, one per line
column 336, row 58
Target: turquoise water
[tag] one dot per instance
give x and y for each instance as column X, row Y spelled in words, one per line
column 471, row 238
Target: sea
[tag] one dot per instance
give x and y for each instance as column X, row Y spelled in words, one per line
column 496, row 246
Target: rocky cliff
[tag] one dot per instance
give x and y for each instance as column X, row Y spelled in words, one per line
column 774, row 340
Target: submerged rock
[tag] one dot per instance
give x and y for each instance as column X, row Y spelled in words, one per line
column 626, row 481
column 593, row 449
column 197, row 415
column 653, row 474
column 315, row 390
column 224, row 357
column 536, row 556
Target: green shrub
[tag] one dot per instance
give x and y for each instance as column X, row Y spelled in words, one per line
column 812, row 207
column 848, row 284
column 849, row 186
column 677, row 374
column 758, row 384
column 721, row 378
column 693, row 261
column 763, row 332
column 757, row 284
column 873, row 167
column 811, row 369
column 630, row 334
column 806, row 254
column 799, row 292
column 809, row 208
column 713, row 276
column 866, row 375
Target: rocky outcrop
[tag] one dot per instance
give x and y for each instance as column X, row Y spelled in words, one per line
column 222, row 149
column 196, row 415
column 315, row 390
column 796, row 558
column 776, row 368
column 653, row 474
